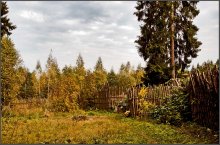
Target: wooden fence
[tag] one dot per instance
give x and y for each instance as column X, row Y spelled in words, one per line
column 204, row 96
column 109, row 97
column 156, row 95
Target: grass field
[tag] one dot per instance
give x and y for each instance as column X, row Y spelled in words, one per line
column 99, row 128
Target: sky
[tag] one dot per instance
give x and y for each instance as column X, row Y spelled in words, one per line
column 105, row 29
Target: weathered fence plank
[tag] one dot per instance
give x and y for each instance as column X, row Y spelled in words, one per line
column 204, row 97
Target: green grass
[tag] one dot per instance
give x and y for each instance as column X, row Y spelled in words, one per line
column 101, row 128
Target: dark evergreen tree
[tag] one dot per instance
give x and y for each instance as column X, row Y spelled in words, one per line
column 100, row 74
column 122, row 68
column 79, row 61
column 27, row 89
column 67, row 70
column 99, row 65
column 38, row 67
column 128, row 67
column 112, row 78
column 38, row 75
column 6, row 24
column 154, row 43
column 80, row 70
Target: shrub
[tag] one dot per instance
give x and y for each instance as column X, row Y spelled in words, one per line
column 63, row 104
column 57, row 106
column 175, row 110
column 144, row 106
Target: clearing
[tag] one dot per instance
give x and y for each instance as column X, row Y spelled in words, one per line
column 99, row 127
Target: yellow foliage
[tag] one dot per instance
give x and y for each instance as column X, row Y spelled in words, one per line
column 144, row 105
column 143, row 92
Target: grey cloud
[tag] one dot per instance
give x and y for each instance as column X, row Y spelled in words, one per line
column 92, row 28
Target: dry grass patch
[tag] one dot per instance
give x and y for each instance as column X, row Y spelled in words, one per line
column 99, row 128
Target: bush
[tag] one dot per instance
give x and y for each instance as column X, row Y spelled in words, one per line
column 175, row 111
column 63, row 104
column 57, row 106
column 144, row 106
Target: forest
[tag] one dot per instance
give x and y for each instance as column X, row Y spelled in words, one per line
column 163, row 102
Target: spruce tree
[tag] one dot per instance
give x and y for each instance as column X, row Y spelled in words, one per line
column 99, row 65
column 27, row 89
column 100, row 74
column 128, row 67
column 122, row 68
column 79, row 61
column 112, row 78
column 6, row 24
column 38, row 73
column 163, row 25
column 80, row 69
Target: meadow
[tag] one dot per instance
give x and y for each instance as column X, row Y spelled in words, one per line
column 97, row 127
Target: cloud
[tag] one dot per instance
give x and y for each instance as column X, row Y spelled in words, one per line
column 208, row 23
column 71, row 22
column 75, row 32
column 93, row 28
column 31, row 15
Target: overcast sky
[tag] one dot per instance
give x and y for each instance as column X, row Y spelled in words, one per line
column 106, row 29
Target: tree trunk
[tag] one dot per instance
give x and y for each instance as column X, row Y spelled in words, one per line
column 39, row 90
column 172, row 42
column 48, row 88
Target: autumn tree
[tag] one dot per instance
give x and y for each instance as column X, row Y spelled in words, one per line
column 53, row 76
column 80, row 73
column 168, row 40
column 9, row 58
column 43, row 85
column 79, row 70
column 21, row 73
column 89, row 90
column 10, row 61
column 100, row 74
column 138, row 75
column 125, row 79
column 69, row 90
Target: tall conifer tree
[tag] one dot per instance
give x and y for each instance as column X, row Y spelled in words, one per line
column 157, row 38
column 6, row 24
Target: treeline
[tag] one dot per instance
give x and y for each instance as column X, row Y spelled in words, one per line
column 62, row 87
